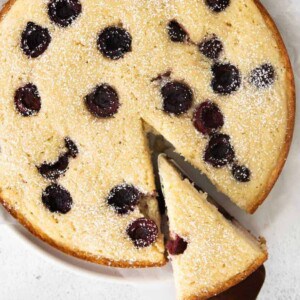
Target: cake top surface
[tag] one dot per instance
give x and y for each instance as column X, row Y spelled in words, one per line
column 79, row 81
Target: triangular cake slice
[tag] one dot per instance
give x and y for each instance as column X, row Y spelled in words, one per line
column 209, row 252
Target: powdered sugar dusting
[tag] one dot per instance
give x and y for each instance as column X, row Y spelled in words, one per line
column 114, row 150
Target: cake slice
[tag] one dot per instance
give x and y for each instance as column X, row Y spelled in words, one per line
column 209, row 253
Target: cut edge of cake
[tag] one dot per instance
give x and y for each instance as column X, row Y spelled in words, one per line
column 171, row 178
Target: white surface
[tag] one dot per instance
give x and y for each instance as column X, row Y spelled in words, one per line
column 32, row 270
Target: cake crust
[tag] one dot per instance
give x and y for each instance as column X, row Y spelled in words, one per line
column 272, row 179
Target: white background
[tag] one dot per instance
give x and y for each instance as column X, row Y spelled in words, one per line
column 26, row 272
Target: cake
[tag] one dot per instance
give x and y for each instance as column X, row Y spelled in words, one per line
column 82, row 82
column 209, row 252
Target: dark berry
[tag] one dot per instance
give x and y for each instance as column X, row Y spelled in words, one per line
column 27, row 100
column 226, row 78
column 177, row 245
column 103, row 101
column 217, row 5
column 208, row 118
column 211, row 47
column 263, row 76
column 177, row 97
column 143, row 232
column 241, row 173
column 219, row 151
column 35, row 40
column 176, row 32
column 57, row 199
column 53, row 171
column 123, row 198
column 114, row 42
column 72, row 148
column 64, row 12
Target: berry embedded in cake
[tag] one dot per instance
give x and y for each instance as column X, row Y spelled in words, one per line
column 53, row 170
column 226, row 78
column 198, row 232
column 57, row 199
column 211, row 47
column 123, row 198
column 64, row 12
column 114, row 42
column 263, row 76
column 103, row 101
column 35, row 40
column 219, row 151
column 81, row 83
column 176, row 245
column 27, row 100
column 208, row 118
column 217, row 5
column 241, row 173
column 177, row 97
column 143, row 232
column 176, row 32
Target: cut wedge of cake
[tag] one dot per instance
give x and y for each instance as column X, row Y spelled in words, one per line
column 79, row 79
column 209, row 253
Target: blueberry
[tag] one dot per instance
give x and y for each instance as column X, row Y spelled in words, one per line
column 208, row 118
column 57, row 199
column 177, row 245
column 143, row 232
column 27, row 100
column 176, row 32
column 263, row 76
column 211, row 47
column 53, row 171
column 123, row 198
column 217, row 5
column 64, row 12
column 114, row 42
column 103, row 101
column 177, row 97
column 241, row 173
column 226, row 78
column 219, row 151
column 35, row 40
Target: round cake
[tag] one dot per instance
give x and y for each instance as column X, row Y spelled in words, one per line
column 83, row 81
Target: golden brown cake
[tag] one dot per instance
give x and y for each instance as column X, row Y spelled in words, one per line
column 80, row 79
column 209, row 253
